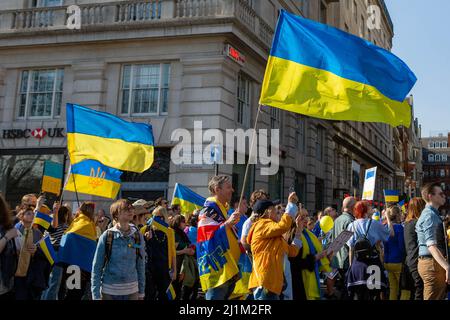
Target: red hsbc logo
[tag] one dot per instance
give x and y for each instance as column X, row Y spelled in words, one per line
column 39, row 133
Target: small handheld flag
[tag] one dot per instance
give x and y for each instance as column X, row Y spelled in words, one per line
column 171, row 295
column 43, row 220
column 376, row 216
column 48, row 250
column 391, row 195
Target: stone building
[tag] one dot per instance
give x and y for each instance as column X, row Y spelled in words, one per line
column 170, row 63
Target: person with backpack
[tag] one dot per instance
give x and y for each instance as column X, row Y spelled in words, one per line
column 118, row 269
column 362, row 254
column 8, row 252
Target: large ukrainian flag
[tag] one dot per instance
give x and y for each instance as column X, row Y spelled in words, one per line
column 78, row 243
column 323, row 72
column 108, row 139
column 187, row 199
column 91, row 177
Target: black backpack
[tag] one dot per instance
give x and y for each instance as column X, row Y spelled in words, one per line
column 109, row 242
column 363, row 248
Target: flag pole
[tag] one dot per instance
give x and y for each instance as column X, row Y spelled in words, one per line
column 249, row 157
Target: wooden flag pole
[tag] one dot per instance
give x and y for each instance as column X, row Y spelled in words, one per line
column 249, row 157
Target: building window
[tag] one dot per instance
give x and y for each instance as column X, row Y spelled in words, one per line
column 243, row 96
column 437, row 158
column 274, row 118
column 300, row 187
column 319, row 193
column 145, row 89
column 320, row 141
column 442, row 173
column 276, row 185
column 300, row 134
column 40, row 93
column 46, row 3
column 430, row 158
column 431, row 144
column 444, row 157
column 444, row 144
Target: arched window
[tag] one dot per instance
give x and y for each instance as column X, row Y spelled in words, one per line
column 431, row 157
column 437, row 158
column 444, row 157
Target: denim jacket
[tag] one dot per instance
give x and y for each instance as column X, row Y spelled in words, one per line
column 430, row 231
column 121, row 268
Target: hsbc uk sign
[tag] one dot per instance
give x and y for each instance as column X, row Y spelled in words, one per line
column 39, row 133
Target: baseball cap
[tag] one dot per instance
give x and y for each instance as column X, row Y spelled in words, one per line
column 262, row 205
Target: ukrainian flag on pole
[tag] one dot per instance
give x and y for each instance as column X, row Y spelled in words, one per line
column 187, row 199
column 108, row 139
column 391, row 195
column 323, row 72
column 91, row 177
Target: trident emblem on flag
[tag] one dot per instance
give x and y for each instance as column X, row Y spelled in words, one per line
column 96, row 178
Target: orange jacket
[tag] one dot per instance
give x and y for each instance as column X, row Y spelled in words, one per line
column 268, row 249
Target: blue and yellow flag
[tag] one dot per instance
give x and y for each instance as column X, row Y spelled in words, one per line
column 158, row 223
column 171, row 294
column 52, row 178
column 218, row 251
column 402, row 206
column 42, row 219
column 323, row 72
column 391, row 195
column 91, row 177
column 108, row 139
column 48, row 250
column 187, row 199
column 78, row 244
column 376, row 216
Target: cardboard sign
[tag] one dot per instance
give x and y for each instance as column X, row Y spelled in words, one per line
column 369, row 184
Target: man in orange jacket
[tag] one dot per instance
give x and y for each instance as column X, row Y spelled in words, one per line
column 268, row 247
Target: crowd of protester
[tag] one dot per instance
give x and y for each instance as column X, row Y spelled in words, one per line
column 151, row 250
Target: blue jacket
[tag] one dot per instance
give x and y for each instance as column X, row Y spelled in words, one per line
column 124, row 265
column 394, row 248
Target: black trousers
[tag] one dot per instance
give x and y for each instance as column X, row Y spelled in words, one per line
column 412, row 281
column 25, row 291
column 157, row 282
column 190, row 294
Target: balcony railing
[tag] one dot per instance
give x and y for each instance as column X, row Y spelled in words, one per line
column 135, row 12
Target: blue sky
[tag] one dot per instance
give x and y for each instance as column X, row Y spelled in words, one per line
column 422, row 40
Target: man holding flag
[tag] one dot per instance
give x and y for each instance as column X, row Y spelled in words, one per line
column 218, row 249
